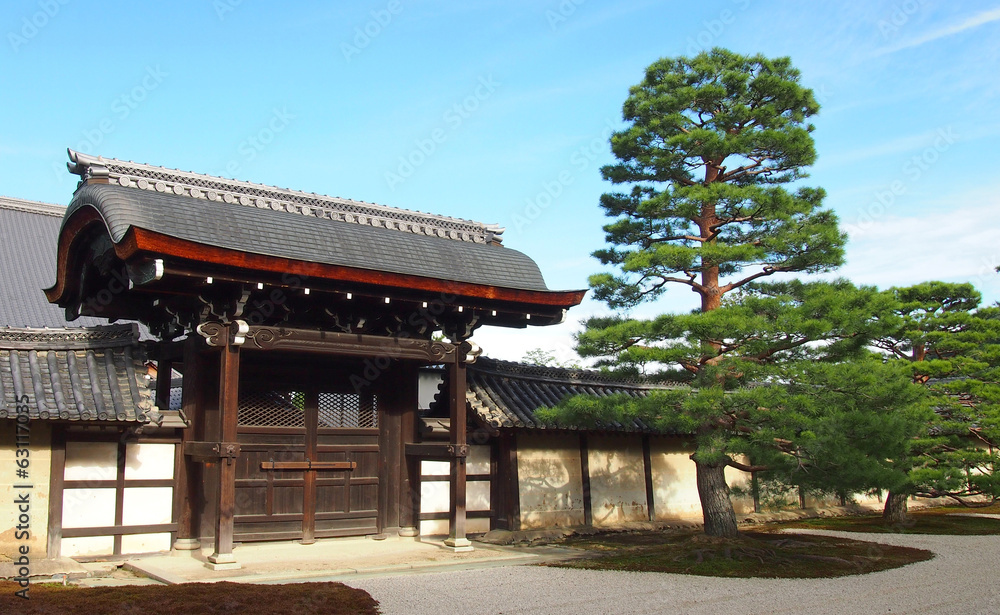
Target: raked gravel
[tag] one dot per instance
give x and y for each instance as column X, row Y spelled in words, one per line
column 963, row 579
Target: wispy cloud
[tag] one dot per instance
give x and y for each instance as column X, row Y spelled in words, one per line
column 972, row 22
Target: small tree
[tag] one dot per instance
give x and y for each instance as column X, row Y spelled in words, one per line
column 711, row 142
column 953, row 348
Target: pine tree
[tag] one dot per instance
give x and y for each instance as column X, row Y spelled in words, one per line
column 711, row 144
column 952, row 346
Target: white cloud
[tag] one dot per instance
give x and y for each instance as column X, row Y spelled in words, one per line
column 968, row 24
column 953, row 244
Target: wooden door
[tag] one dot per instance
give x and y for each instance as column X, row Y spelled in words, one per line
column 309, row 464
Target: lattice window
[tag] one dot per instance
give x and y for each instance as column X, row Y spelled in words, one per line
column 348, row 410
column 272, row 409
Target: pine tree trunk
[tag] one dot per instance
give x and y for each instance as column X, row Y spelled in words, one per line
column 895, row 508
column 716, row 507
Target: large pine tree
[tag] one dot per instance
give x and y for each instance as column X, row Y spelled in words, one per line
column 704, row 168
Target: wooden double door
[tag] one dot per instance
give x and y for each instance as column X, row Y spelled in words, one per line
column 309, row 463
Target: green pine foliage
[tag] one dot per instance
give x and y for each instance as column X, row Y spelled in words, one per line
column 773, row 376
column 712, row 141
column 951, row 345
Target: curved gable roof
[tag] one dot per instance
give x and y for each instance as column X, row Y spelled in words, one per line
column 294, row 236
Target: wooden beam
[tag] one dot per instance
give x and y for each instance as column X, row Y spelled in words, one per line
column 436, row 450
column 338, row 344
column 308, row 465
column 457, row 402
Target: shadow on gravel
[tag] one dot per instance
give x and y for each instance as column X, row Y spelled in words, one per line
column 754, row 554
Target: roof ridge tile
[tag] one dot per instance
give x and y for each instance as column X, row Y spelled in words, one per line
column 200, row 186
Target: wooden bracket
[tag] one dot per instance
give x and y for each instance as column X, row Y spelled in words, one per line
column 212, row 451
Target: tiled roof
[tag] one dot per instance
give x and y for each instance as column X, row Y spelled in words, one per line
column 91, row 374
column 506, row 395
column 217, row 189
column 307, row 239
column 29, row 234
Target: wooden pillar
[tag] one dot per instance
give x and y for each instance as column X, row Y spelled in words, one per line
column 56, row 476
column 505, row 490
column 588, row 507
column 229, row 381
column 409, row 487
column 188, row 471
column 311, row 411
column 456, row 513
column 647, row 467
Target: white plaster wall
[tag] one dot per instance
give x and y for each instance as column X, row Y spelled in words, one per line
column 91, row 461
column 439, row 527
column 145, row 543
column 435, row 493
column 675, row 487
column 39, row 471
column 478, row 461
column 89, row 546
column 147, row 505
column 617, row 480
column 550, row 481
column 675, row 484
column 149, row 461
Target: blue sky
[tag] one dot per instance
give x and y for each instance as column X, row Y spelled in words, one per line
column 500, row 112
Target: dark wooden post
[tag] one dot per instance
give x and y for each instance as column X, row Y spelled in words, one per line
column 311, row 408
column 504, row 484
column 189, row 470
column 229, row 381
column 56, row 477
column 456, row 513
column 647, row 467
column 588, row 507
column 409, row 487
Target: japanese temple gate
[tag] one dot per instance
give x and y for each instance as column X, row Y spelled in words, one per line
column 299, row 323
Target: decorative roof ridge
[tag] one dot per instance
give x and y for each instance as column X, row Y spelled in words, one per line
column 68, row 338
column 529, row 371
column 33, row 207
column 212, row 188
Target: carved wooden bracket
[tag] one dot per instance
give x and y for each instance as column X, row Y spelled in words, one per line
column 212, row 451
column 220, row 334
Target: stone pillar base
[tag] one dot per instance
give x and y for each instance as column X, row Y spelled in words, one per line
column 458, row 545
column 408, row 532
column 223, row 561
column 187, row 544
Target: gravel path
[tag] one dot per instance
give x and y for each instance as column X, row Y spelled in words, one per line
column 964, row 579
